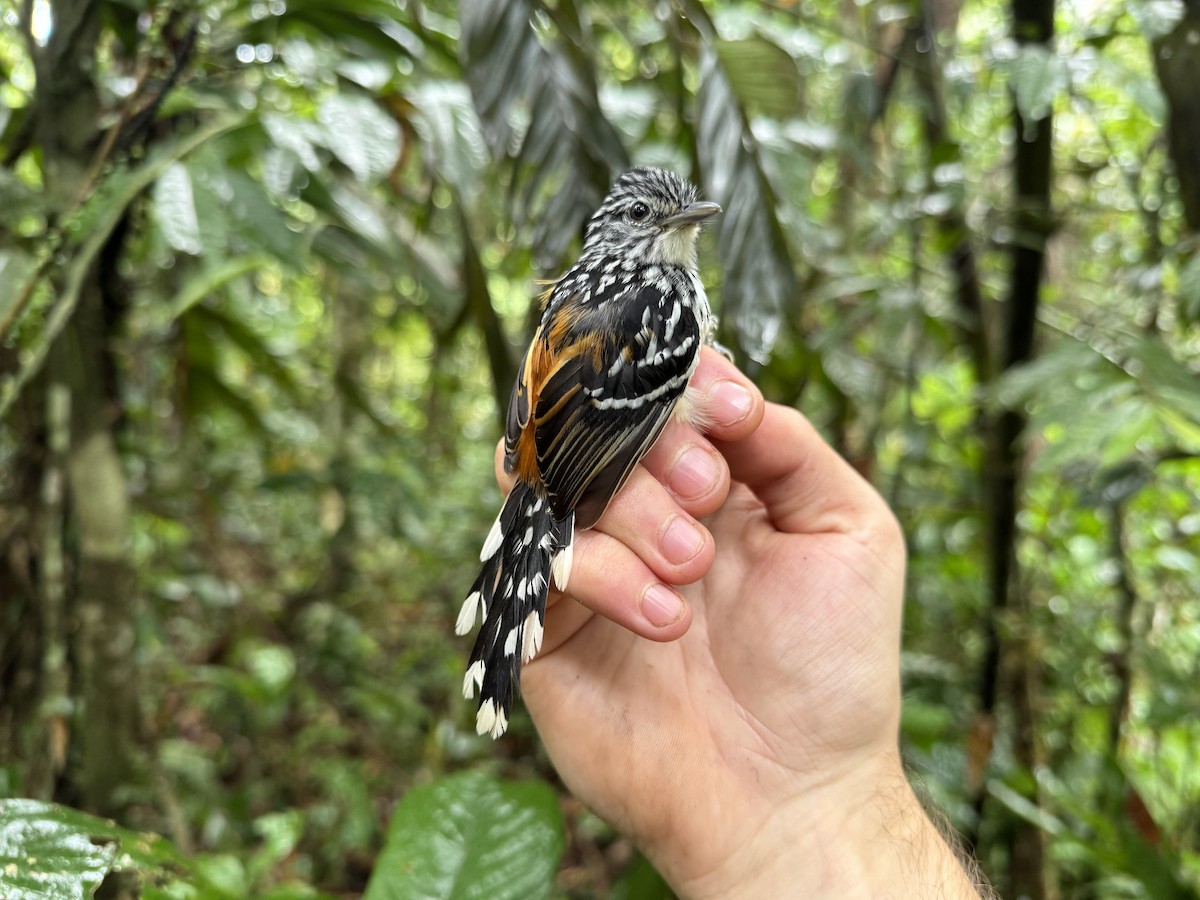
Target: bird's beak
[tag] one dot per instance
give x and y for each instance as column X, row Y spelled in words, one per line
column 691, row 214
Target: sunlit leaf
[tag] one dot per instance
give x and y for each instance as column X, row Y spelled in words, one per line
column 295, row 134
column 360, row 134
column 48, row 850
column 1038, row 75
column 1157, row 18
column 450, row 133
column 175, row 210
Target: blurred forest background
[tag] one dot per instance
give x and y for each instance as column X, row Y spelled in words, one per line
column 266, row 268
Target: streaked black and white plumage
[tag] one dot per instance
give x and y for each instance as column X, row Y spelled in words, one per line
column 619, row 337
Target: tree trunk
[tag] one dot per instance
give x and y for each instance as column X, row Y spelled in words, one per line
column 74, row 585
column 1177, row 59
column 1033, row 23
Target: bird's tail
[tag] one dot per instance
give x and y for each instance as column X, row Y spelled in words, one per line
column 526, row 547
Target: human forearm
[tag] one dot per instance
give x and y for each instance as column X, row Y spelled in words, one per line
column 867, row 837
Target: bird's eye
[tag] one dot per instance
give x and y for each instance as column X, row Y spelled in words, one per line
column 639, row 211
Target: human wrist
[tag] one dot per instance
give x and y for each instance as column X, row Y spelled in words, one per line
column 866, row 836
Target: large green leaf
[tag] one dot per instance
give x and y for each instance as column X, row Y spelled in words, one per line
column 1038, row 76
column 760, row 282
column 470, row 837
column 175, row 210
column 364, row 28
column 360, row 134
column 48, row 850
column 449, row 130
column 763, row 76
column 568, row 146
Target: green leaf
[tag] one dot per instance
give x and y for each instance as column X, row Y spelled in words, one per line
column 368, row 28
column 87, row 234
column 470, row 837
column 360, row 134
column 16, row 198
column 568, row 139
column 1189, row 290
column 759, row 282
column 48, row 850
column 1157, row 18
column 1025, row 808
column 1177, row 559
column 175, row 210
column 256, row 348
column 641, row 882
column 1038, row 76
column 204, row 284
column 1171, row 385
column 1066, row 364
column 762, row 75
column 450, row 132
column 16, row 268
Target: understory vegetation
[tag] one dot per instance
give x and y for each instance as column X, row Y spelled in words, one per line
column 266, row 270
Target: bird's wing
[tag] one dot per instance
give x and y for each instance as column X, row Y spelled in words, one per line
column 603, row 380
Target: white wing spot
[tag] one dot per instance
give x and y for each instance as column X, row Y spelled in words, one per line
column 672, row 321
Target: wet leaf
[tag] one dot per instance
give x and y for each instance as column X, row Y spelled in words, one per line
column 48, row 850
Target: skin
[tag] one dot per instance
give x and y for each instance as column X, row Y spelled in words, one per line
column 744, row 733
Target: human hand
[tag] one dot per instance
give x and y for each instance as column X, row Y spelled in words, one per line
column 750, row 746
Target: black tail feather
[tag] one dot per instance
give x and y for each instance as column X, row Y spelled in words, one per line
column 511, row 590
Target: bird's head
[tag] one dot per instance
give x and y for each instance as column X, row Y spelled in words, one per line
column 650, row 216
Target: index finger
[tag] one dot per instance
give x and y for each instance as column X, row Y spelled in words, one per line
column 805, row 485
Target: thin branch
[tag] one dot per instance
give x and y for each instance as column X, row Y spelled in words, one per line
column 1126, row 608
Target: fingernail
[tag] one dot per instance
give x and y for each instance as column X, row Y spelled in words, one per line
column 681, row 541
column 661, row 606
column 731, row 402
column 694, row 474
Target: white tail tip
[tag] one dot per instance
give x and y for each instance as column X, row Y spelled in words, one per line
column 491, row 719
column 494, row 539
column 466, row 616
column 473, row 679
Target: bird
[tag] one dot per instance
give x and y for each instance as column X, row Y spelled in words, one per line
column 618, row 339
